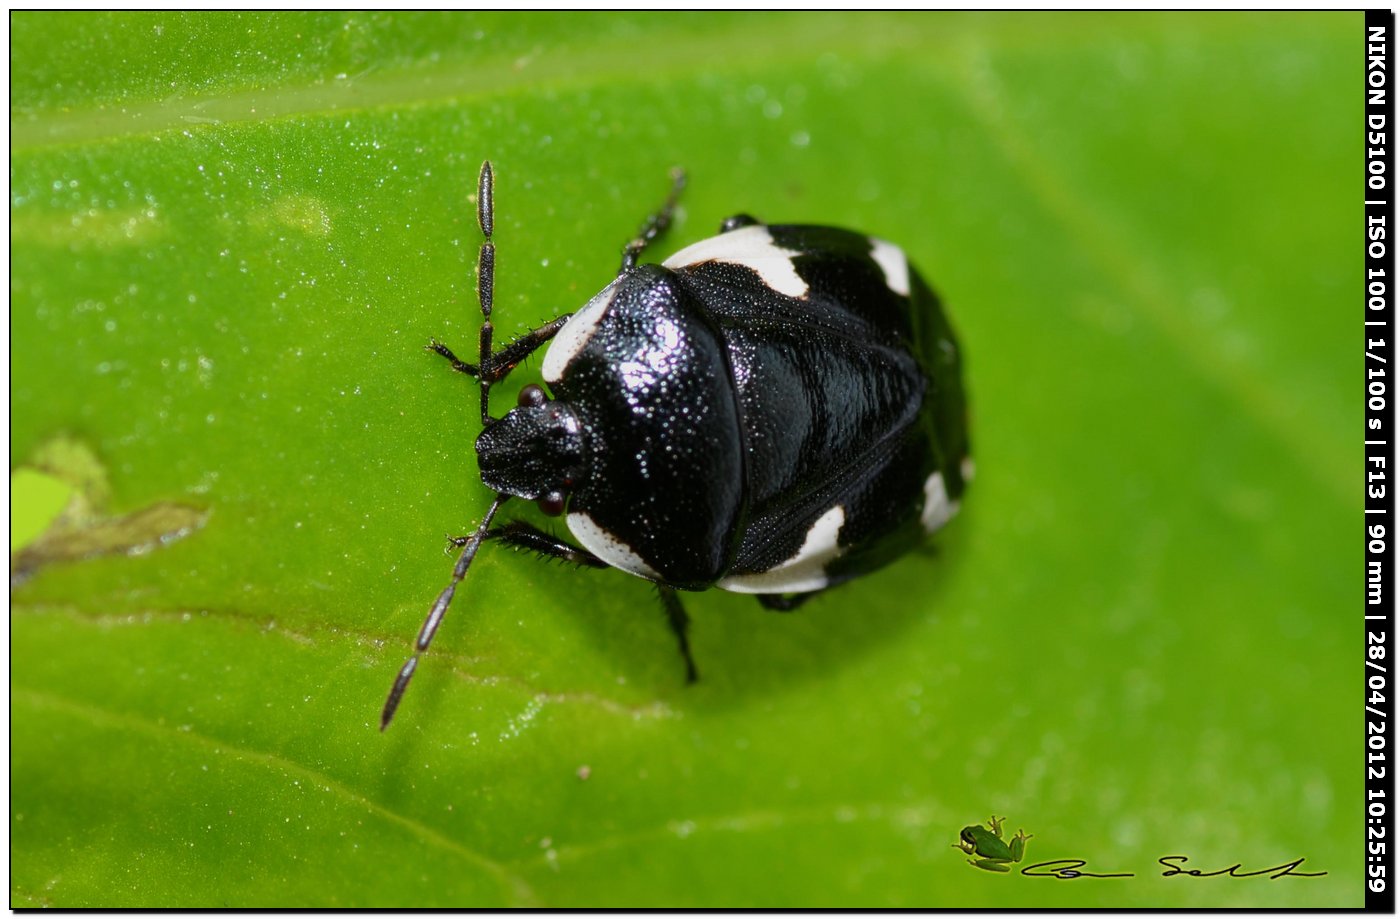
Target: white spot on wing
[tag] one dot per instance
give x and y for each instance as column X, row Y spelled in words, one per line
column 893, row 263
column 805, row 571
column 969, row 469
column 571, row 339
column 752, row 247
column 607, row 546
column 938, row 510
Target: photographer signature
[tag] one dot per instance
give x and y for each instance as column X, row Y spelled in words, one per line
column 1068, row 869
column 990, row 850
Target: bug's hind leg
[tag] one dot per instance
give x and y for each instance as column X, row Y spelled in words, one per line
column 785, row 603
column 680, row 624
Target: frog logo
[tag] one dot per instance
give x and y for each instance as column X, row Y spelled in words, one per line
column 989, row 848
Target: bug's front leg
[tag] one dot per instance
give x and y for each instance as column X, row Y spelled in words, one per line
column 492, row 366
column 518, row 534
column 499, row 364
column 458, row 365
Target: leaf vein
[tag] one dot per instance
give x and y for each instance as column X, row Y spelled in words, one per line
column 519, row 891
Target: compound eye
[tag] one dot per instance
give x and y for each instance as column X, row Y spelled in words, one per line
column 532, row 396
column 551, row 503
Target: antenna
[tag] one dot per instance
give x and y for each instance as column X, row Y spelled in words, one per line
column 437, row 612
column 485, row 286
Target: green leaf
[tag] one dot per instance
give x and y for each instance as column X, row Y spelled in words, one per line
column 233, row 233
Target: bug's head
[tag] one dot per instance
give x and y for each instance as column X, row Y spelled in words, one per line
column 534, row 452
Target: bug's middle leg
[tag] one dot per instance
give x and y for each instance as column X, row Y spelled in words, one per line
column 737, row 222
column 523, row 535
column 654, row 225
column 680, row 624
column 785, row 603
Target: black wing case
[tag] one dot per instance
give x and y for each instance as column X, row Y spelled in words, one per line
column 849, row 394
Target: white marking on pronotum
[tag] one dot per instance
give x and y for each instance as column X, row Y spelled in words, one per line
column 969, row 469
column 938, row 510
column 752, row 247
column 805, row 571
column 893, row 263
column 576, row 332
column 608, row 547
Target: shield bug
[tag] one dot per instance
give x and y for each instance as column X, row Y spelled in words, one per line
column 774, row 410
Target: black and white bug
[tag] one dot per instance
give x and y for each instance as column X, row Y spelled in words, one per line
column 774, row 410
